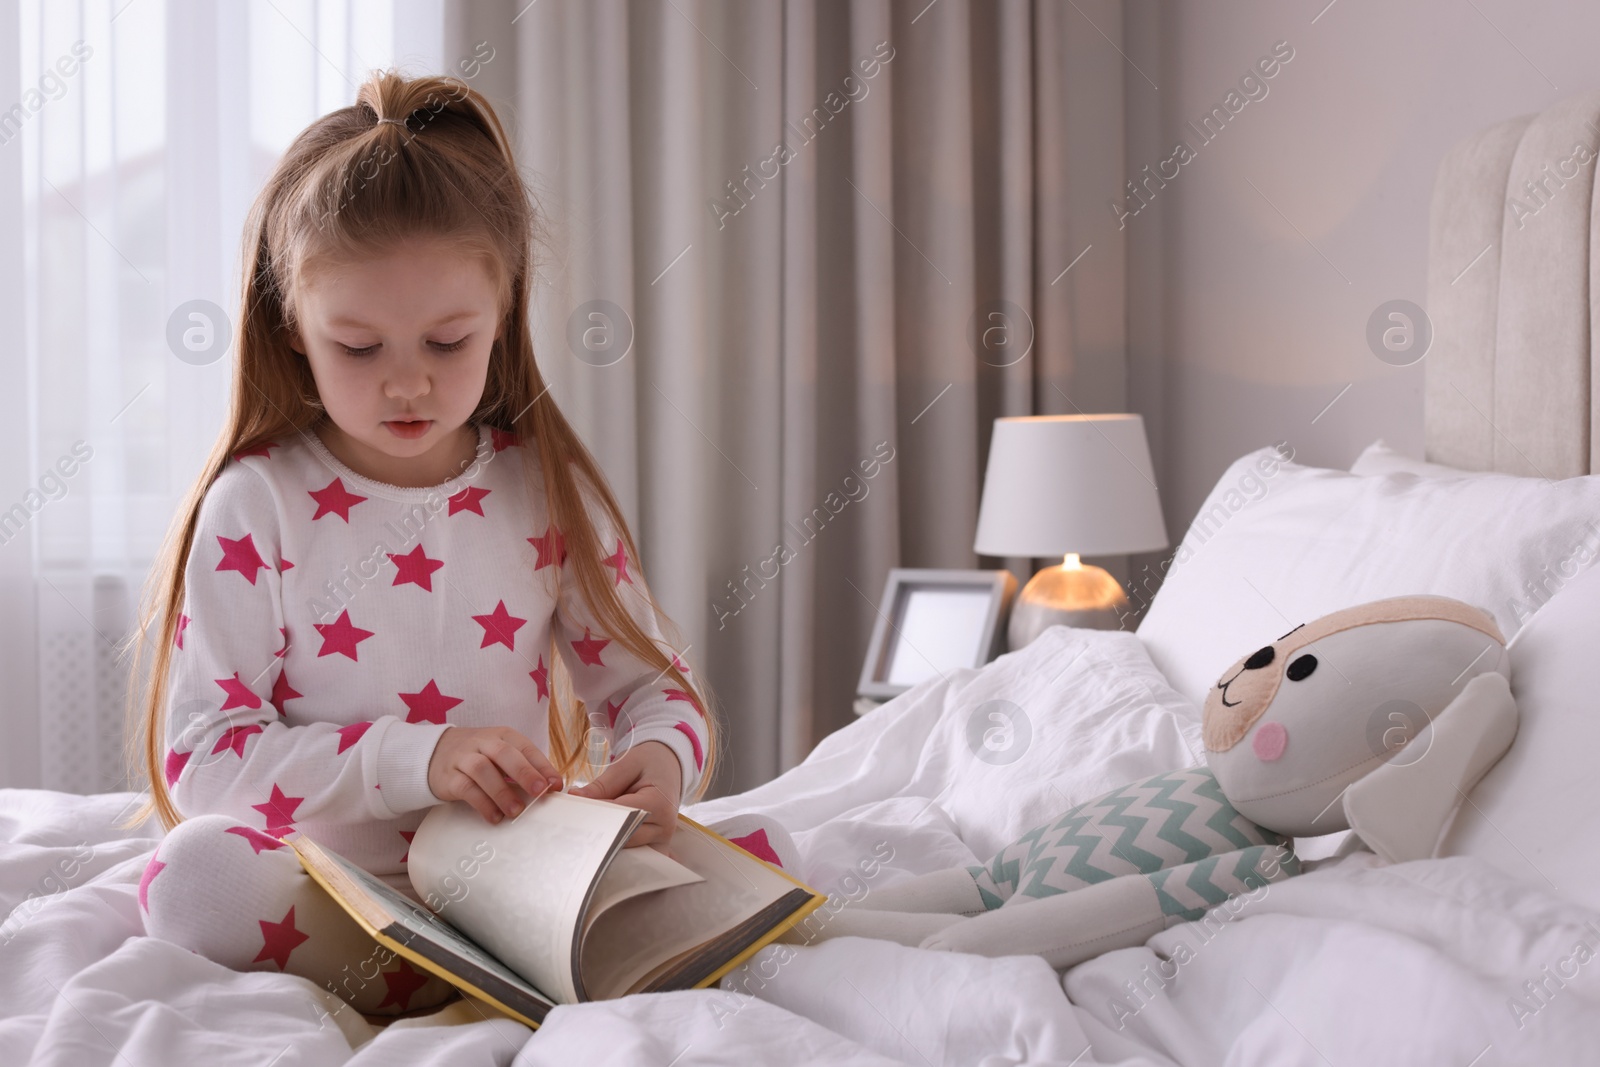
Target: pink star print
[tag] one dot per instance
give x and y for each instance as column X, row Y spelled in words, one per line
column 349, row 735
column 588, row 649
column 284, row 565
column 279, row 811
column 415, row 567
column 756, row 844
column 341, row 635
column 175, row 762
column 408, row 835
column 469, row 499
column 285, row 632
column 234, row 737
column 241, row 556
column 183, row 624
column 679, row 694
column 282, row 691
column 153, row 868
column 694, row 742
column 619, row 560
column 429, row 705
column 552, row 548
column 612, row 711
column 500, row 627
column 541, row 678
column 263, row 449
column 402, row 982
column 239, row 694
column 281, row 938
column 503, row 438
column 258, row 840
column 334, row 499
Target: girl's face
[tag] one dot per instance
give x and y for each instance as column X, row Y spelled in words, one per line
column 405, row 336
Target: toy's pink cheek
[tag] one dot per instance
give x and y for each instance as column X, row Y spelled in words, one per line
column 1270, row 741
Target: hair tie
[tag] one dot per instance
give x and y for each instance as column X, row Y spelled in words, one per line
column 397, row 122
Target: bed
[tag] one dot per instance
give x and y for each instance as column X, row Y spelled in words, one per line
column 1479, row 956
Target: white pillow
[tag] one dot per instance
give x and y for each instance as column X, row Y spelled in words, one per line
column 1277, row 544
column 1532, row 815
column 1379, row 458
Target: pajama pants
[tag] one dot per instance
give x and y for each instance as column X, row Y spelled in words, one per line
column 240, row 898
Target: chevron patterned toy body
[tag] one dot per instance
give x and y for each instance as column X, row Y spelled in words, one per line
column 1377, row 718
column 1176, row 829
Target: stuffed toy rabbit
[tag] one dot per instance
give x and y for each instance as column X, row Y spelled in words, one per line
column 1377, row 718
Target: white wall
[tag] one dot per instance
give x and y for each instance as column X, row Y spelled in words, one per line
column 1253, row 272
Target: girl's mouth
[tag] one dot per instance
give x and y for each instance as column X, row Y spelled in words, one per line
column 410, row 430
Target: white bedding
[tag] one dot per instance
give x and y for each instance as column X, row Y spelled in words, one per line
column 1352, row 963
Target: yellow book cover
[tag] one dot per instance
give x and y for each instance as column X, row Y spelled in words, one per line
column 551, row 908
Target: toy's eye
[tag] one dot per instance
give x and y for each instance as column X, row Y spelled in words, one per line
column 1302, row 668
column 1259, row 658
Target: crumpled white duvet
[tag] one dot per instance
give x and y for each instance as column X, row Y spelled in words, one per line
column 1355, row 962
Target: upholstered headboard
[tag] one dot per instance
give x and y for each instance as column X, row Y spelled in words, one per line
column 1513, row 271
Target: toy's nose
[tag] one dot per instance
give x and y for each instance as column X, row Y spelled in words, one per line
column 1271, row 739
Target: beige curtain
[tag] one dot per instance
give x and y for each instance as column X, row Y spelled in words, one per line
column 788, row 360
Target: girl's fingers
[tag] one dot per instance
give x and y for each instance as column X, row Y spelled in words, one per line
column 480, row 802
column 648, row 833
column 540, row 762
column 651, row 832
column 657, row 827
column 503, row 798
column 516, row 766
column 639, row 800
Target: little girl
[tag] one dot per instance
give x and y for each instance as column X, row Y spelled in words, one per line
column 394, row 561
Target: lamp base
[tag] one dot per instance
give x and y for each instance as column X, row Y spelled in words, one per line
column 1063, row 595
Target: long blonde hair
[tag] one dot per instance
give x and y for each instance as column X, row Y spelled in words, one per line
column 348, row 186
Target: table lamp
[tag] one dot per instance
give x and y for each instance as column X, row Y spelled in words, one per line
column 1069, row 486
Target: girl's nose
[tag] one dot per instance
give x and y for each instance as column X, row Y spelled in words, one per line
column 407, row 380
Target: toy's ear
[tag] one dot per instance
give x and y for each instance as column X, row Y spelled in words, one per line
column 1402, row 808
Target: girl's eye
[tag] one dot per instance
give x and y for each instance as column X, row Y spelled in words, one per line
column 367, row 351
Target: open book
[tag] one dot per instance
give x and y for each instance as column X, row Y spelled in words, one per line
column 550, row 908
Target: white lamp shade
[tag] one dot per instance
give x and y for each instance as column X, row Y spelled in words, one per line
column 1069, row 483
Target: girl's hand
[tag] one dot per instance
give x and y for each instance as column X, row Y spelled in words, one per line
column 483, row 765
column 646, row 776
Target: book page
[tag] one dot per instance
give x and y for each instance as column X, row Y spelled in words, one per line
column 518, row 887
column 386, row 910
column 633, row 938
column 636, row 871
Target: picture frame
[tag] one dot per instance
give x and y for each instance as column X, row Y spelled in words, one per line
column 931, row 620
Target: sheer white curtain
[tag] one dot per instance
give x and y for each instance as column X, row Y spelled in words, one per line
column 786, row 317
column 133, row 135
